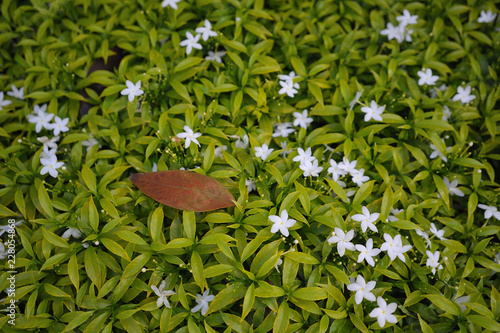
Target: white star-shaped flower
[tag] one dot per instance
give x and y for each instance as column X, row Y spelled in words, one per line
column 437, row 153
column 217, row 56
column 49, row 143
column 356, row 99
column 463, row 95
column 490, row 211
column 311, row 168
column 394, row 212
column 426, row 77
column 47, row 153
column 335, row 170
column 391, row 31
column 162, row 294
column 359, row 178
column 2, row 101
column 90, row 143
column 373, row 111
column 348, row 166
column 241, row 142
column 59, row 125
column 367, row 252
column 384, row 312
column 433, row 261
column 250, row 185
column 366, row 219
column 71, row 232
column 407, row 18
column 218, row 151
column 394, row 247
column 263, row 152
column 362, row 289
column 289, row 77
column 283, row 130
column 425, row 236
column 191, row 42
column 203, row 301
column 190, row 136
column 486, row 17
column 206, row 31
column 438, row 233
column 304, row 155
column 288, row 88
column 302, row 119
column 132, row 90
column 41, row 119
column 281, row 223
column 170, row 3
column 50, row 165
column 16, row 93
column 452, row 187
column 343, row 240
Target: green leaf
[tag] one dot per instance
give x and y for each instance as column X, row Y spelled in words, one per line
column 197, row 268
column 310, row 293
column 45, row 201
column 54, row 239
column 189, row 224
column 187, row 63
column 73, row 271
column 89, row 179
column 444, row 304
column 225, row 297
column 301, row 257
column 93, row 215
column 485, row 322
column 363, row 192
column 156, row 225
column 248, row 301
column 115, row 248
column 281, row 321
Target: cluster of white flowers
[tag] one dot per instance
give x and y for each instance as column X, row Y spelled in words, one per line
column 287, row 85
column 204, row 32
column 308, row 163
column 345, row 167
column 401, row 32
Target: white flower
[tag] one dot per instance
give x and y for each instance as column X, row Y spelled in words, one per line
column 132, row 90
column 50, row 165
column 347, row 166
column 437, row 153
column 6, row 227
column 394, row 247
column 90, row 143
column 263, row 152
column 373, row 112
column 311, row 168
column 49, row 143
column 171, row 3
column 16, row 93
column 250, row 185
column 438, row 233
column 343, row 240
column 288, row 88
column 490, row 211
column 190, row 42
column 463, row 95
column 217, row 56
column 335, row 170
column 452, row 187
column 356, row 99
column 59, row 125
column 288, row 77
column 433, row 261
column 394, row 212
column 206, row 31
column 2, row 102
column 486, row 17
column 407, row 18
column 404, row 34
column 391, row 31
column 279, row 262
column 41, row 119
column 446, row 113
column 304, row 156
column 47, row 153
column 384, row 312
column 71, row 232
column 218, row 151
column 426, row 77
column 202, row 301
column 302, row 119
column 358, row 177
column 283, row 129
column 461, row 300
column 362, row 289
column 281, row 223
column 189, row 135
column 367, row 252
column 154, row 168
column 285, row 151
column 425, row 236
column 162, row 294
column 3, row 252
column 242, row 144
column 40, row 109
column 366, row 219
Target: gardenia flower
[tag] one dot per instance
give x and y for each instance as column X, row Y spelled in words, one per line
column 302, row 119
column 2, row 102
column 343, row 240
column 425, row 236
column 190, row 42
column 16, row 93
column 438, row 233
column 490, row 211
column 162, row 294
column 217, row 56
column 486, row 17
column 311, row 168
column 426, row 77
column 132, row 90
column 452, row 187
column 356, row 99
column 384, row 312
column 263, row 152
column 202, row 301
column 50, row 165
column 206, row 31
column 59, row 125
column 348, row 166
column 250, row 185
column 358, row 177
column 71, row 232
column 463, row 95
column 304, row 156
column 336, row 170
column 407, row 18
column 283, row 129
column 242, row 144
column 49, row 143
column 362, row 289
column 281, row 223
column 391, row 32
column 367, row 252
column 446, row 113
column 394, row 247
column 171, row 3
column 433, row 261
column 288, row 88
column 366, row 219
column 189, row 135
column 373, row 112
column 41, row 119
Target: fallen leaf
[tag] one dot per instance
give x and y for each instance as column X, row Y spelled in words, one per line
column 184, row 190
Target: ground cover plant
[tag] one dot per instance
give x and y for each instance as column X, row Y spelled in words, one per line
column 357, row 138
